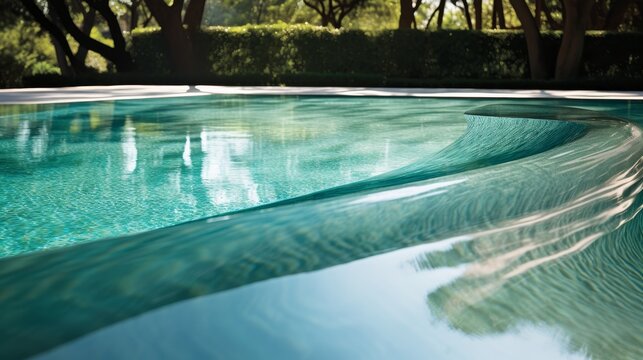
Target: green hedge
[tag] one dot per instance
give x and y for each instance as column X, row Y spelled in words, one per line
column 275, row 51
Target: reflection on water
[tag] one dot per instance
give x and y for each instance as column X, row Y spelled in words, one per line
column 228, row 181
column 22, row 136
column 40, row 141
column 521, row 239
column 187, row 152
column 67, row 169
column 128, row 144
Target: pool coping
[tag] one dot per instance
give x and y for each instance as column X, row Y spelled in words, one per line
column 122, row 92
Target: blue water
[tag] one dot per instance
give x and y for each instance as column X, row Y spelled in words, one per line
column 73, row 172
column 516, row 235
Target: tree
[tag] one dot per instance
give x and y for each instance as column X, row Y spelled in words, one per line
column 477, row 9
column 118, row 54
column 576, row 19
column 465, row 11
column 440, row 10
column 88, row 21
column 407, row 13
column 59, row 21
column 58, row 38
column 535, row 51
column 498, row 17
column 137, row 14
column 333, row 12
column 177, row 38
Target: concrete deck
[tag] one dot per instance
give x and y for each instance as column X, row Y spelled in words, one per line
column 95, row 93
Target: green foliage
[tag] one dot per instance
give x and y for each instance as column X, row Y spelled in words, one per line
column 275, row 51
column 24, row 51
column 374, row 14
column 241, row 12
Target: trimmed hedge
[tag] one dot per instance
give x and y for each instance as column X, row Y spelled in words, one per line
column 276, row 51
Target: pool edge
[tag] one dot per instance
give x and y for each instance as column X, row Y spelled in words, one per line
column 122, row 92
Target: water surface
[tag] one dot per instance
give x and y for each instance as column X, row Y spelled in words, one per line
column 85, row 171
column 519, row 236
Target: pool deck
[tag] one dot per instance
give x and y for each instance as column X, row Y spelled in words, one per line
column 120, row 92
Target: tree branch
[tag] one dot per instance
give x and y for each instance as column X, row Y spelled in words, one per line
column 102, row 6
column 312, row 6
column 53, row 30
column 417, row 5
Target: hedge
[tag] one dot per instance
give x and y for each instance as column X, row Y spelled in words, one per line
column 282, row 50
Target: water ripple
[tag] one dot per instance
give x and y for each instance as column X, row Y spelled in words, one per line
column 527, row 198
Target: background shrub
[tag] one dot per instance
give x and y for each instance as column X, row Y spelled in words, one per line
column 275, row 51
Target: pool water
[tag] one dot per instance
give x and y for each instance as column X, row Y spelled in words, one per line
column 361, row 228
column 85, row 171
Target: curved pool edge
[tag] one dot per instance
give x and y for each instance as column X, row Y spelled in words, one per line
column 123, row 92
column 483, row 144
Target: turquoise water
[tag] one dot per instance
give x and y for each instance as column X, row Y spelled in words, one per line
column 73, row 172
column 465, row 229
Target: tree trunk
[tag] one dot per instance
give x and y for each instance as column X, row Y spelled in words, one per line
column 441, row 13
column 61, row 59
column 102, row 6
column 477, row 8
column 538, row 13
column 428, row 23
column 467, row 16
column 499, row 14
column 88, row 23
column 406, row 14
column 336, row 22
column 194, row 15
column 577, row 14
column 178, row 42
column 179, row 46
column 537, row 63
column 134, row 14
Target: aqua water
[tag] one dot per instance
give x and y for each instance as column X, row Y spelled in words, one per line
column 498, row 229
column 86, row 171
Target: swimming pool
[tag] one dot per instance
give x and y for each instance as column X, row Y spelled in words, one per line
column 322, row 227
